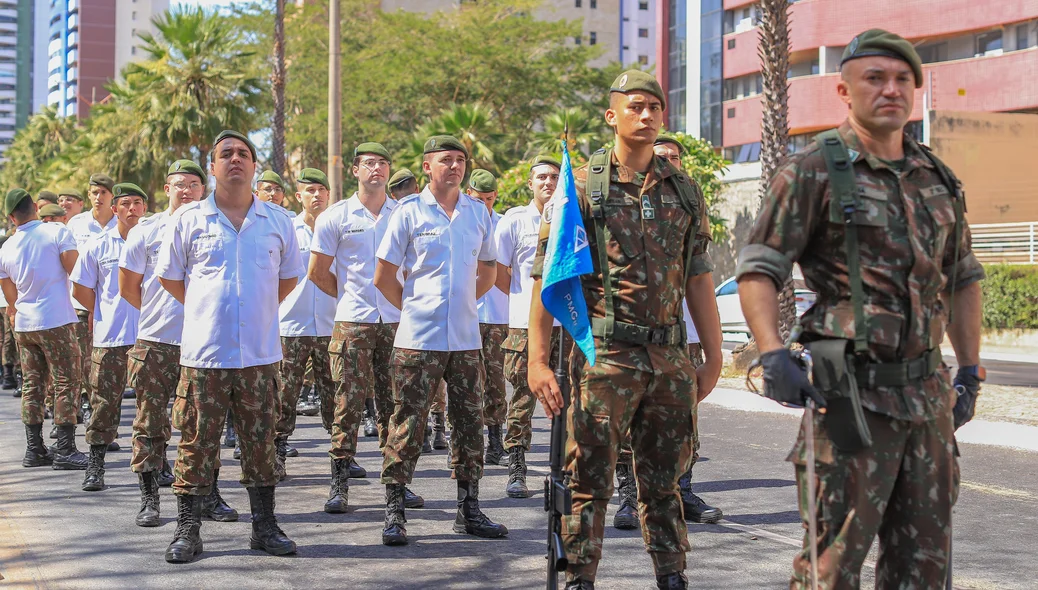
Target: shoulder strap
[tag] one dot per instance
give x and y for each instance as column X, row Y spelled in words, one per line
column 597, row 192
column 843, row 204
column 692, row 202
column 954, row 186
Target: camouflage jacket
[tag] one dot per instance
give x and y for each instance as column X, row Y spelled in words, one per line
column 646, row 256
column 906, row 228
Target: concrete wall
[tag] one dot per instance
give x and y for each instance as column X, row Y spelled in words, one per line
column 740, row 201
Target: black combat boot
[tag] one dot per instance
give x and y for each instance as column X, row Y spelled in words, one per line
column 370, row 427
column 695, row 508
column 339, row 495
column 148, row 515
column 230, row 437
column 187, row 542
column 306, row 405
column 356, row 471
column 290, row 451
column 165, row 476
column 66, row 455
column 675, row 581
column 412, row 500
column 394, row 532
column 213, row 505
column 8, row 381
column 237, row 450
column 266, row 534
column 427, row 440
column 580, row 585
column 53, row 432
column 114, row 446
column 439, row 431
column 85, row 409
column 280, row 451
column 495, row 449
column 18, row 382
column 516, row 487
column 94, row 481
column 470, row 518
column 626, row 518
column 36, row 453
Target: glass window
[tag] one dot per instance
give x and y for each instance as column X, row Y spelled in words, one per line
column 643, row 60
column 1023, row 36
column 989, row 42
column 577, row 3
column 643, row 33
column 594, row 3
column 643, row 6
column 933, row 52
column 592, row 38
column 729, row 287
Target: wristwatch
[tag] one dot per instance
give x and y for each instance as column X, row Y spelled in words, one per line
column 977, row 371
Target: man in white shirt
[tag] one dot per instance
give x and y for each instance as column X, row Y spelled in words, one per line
column 443, row 241
column 154, row 360
column 493, row 328
column 271, row 188
column 34, row 267
column 516, row 240
column 95, row 284
column 7, row 346
column 71, row 200
column 230, row 259
column 365, row 323
column 306, row 318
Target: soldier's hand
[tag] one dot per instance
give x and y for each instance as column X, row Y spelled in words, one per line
column 968, row 386
column 786, row 382
column 706, row 378
column 541, row 380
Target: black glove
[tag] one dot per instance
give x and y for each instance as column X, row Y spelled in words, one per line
column 786, row 381
column 967, row 384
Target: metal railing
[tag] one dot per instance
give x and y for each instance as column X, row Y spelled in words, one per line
column 1006, row 243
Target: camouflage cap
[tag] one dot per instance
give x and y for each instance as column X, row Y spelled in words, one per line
column 483, row 181
column 371, row 147
column 51, row 210
column 877, row 42
column 102, row 180
column 545, row 159
column 668, row 138
column 271, row 176
column 313, row 176
column 638, row 81
column 70, row 192
column 227, row 133
column 48, row 196
column 443, row 143
column 15, row 196
column 399, row 177
column 187, row 167
column 128, row 189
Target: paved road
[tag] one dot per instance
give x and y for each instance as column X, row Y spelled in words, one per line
column 52, row 535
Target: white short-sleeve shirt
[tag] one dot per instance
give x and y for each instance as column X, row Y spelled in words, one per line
column 31, row 258
column 84, row 227
column 231, row 302
column 690, row 328
column 516, row 239
column 492, row 307
column 440, row 256
column 162, row 316
column 115, row 320
column 350, row 234
column 307, row 311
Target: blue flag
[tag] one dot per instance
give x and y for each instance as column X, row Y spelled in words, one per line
column 566, row 257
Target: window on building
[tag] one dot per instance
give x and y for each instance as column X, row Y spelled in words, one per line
column 933, row 52
column 643, row 6
column 1023, row 36
column 577, row 40
column 989, row 42
column 577, row 3
column 643, row 60
column 643, row 33
column 133, row 15
column 592, row 38
column 594, row 3
column 133, row 50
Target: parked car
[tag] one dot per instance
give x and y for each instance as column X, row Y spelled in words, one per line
column 733, row 323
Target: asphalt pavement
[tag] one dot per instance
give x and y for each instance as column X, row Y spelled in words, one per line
column 52, row 535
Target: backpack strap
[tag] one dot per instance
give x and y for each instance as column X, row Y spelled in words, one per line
column 843, row 204
column 954, row 186
column 691, row 199
column 597, row 191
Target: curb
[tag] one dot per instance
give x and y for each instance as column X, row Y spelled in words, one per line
column 1005, row 357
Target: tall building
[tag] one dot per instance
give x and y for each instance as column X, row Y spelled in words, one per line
column 974, row 60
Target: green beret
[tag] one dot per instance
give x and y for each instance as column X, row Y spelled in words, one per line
column 399, row 177
column 49, row 197
column 638, row 81
column 877, row 42
column 128, row 189
column 14, row 197
column 70, row 192
column 483, row 181
column 102, row 180
column 370, row 147
column 668, row 138
column 271, row 176
column 313, row 176
column 545, row 159
column 187, row 167
column 51, row 210
column 226, row 133
column 443, row 143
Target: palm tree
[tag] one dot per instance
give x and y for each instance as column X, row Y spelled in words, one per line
column 585, row 130
column 277, row 80
column 471, row 125
column 43, row 137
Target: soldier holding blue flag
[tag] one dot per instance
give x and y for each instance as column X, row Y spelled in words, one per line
column 637, row 220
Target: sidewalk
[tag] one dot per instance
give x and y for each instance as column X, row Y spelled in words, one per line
column 978, row 432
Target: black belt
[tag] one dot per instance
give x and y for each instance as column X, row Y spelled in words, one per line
column 634, row 334
column 872, row 375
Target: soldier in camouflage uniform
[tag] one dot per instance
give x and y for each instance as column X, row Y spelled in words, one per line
column 644, row 221
column 875, row 221
column 95, row 284
column 230, row 259
column 34, row 267
column 443, row 240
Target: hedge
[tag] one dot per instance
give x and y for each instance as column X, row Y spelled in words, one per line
column 1010, row 297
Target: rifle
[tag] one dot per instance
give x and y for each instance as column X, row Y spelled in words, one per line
column 558, row 501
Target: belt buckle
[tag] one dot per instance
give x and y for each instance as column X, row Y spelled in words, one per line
column 657, row 336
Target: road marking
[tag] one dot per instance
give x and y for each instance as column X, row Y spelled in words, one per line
column 998, row 491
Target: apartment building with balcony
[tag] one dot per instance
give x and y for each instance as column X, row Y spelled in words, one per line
column 978, row 56
column 15, row 69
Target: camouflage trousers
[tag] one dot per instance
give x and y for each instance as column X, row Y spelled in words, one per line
column 656, row 407
column 902, row 488
column 199, row 411
column 439, row 398
column 153, row 369
column 361, row 355
column 107, row 383
column 7, row 345
column 416, row 374
column 83, row 330
column 518, row 429
column 494, row 395
column 50, row 354
column 297, row 350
